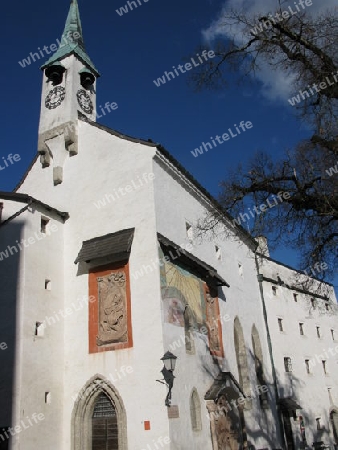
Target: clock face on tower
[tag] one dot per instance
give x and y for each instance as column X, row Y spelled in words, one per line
column 84, row 101
column 55, row 97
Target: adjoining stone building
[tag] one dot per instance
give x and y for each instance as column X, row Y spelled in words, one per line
column 95, row 293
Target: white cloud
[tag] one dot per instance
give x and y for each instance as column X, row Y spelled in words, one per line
column 275, row 85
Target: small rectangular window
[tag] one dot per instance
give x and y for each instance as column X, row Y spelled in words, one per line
column 189, row 231
column 301, row 329
column 39, row 329
column 48, row 285
column 48, row 398
column 287, row 364
column 324, row 366
column 280, row 324
column 274, row 290
column 218, row 251
column 319, row 427
column 327, row 306
column 313, row 303
column 295, row 297
column 318, row 332
column 44, row 223
column 307, row 365
column 332, row 334
column 240, row 269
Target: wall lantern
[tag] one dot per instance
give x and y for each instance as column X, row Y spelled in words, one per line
column 169, row 361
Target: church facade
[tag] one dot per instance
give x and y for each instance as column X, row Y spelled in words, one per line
column 107, row 283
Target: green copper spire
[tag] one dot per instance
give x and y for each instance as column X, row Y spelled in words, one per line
column 72, row 40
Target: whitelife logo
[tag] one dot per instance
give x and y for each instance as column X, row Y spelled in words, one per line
column 10, row 160
column 244, row 126
column 23, row 426
column 134, row 186
column 332, row 170
column 280, row 17
column 48, row 50
column 125, row 9
column 24, row 243
column 314, row 89
column 187, row 66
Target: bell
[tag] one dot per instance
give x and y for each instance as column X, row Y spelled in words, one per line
column 55, row 73
column 87, row 78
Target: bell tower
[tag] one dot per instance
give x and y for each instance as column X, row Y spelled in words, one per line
column 69, row 86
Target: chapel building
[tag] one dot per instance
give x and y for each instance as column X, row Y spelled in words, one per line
column 104, row 273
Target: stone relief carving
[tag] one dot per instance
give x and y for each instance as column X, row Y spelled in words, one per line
column 112, row 295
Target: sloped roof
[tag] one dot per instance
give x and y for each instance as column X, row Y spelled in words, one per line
column 288, row 404
column 117, row 245
column 190, row 260
column 178, row 166
column 72, row 41
column 25, row 198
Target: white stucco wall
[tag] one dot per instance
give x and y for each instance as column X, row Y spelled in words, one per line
column 38, row 361
column 175, row 204
column 101, row 167
column 310, row 390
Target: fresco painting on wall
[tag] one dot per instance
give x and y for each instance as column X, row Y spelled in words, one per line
column 181, row 289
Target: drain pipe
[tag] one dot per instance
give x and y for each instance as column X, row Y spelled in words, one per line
column 274, row 377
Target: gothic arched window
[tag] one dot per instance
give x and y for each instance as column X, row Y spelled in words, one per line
column 259, row 368
column 242, row 362
column 188, row 327
column 104, row 425
column 195, row 411
column 99, row 420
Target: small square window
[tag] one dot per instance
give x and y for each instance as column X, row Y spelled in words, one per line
column 301, row 329
column 295, row 297
column 318, row 332
column 274, row 290
column 280, row 324
column 287, row 364
column 44, row 224
column 307, row 365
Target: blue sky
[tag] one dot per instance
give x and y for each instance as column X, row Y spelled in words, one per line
column 131, row 51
